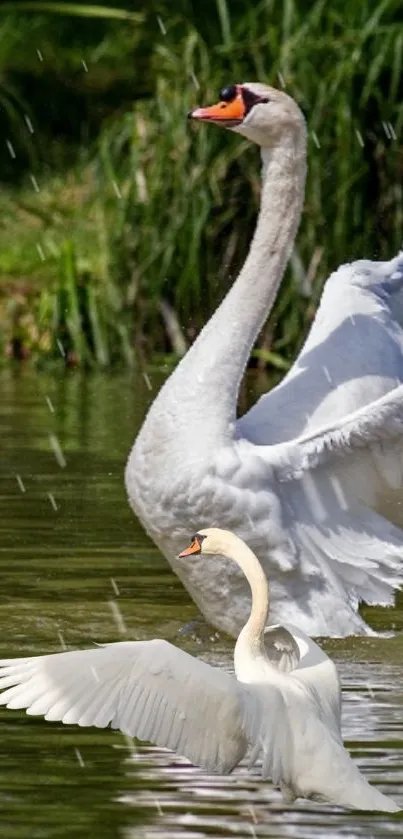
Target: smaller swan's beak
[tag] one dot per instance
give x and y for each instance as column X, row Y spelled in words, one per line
column 228, row 114
column 194, row 548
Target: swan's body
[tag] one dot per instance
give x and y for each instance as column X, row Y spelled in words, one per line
column 284, row 702
column 311, row 477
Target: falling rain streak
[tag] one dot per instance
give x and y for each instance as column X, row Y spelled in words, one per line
column 60, row 347
column 34, row 183
column 20, row 483
column 117, row 616
column 11, row 149
column 281, row 79
column 161, row 25
column 79, row 757
column 116, row 189
column 315, row 139
column 115, row 587
column 158, row 807
column 63, row 644
column 52, row 500
column 49, row 404
column 389, row 130
column 57, row 451
column 40, row 252
column 147, row 380
column 29, row 124
column 195, row 80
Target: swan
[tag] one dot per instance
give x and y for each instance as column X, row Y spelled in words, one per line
column 311, row 475
column 284, row 701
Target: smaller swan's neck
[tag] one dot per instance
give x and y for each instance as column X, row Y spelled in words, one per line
column 250, row 643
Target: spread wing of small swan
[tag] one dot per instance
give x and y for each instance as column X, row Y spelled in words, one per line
column 147, row 689
column 283, row 702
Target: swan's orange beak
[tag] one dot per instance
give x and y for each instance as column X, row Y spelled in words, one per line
column 228, row 114
column 194, row 548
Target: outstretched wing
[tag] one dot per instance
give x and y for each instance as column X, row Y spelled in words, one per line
column 158, row 693
column 353, row 355
column 148, row 689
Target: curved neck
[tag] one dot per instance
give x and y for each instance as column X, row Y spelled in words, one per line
column 232, row 547
column 208, row 377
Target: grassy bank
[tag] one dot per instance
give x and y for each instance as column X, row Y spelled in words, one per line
column 120, row 233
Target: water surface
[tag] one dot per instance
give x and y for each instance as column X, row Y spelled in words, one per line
column 76, row 568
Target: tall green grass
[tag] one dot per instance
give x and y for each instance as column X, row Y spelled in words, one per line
column 170, row 207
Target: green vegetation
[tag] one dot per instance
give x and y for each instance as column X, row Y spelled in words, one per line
column 120, row 221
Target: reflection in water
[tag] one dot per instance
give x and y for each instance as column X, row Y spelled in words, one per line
column 69, row 547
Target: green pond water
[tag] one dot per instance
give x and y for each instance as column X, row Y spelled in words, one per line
column 76, row 568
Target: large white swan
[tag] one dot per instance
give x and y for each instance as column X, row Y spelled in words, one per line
column 284, row 702
column 311, row 476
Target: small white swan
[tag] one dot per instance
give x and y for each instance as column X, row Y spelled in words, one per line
column 312, row 476
column 284, row 702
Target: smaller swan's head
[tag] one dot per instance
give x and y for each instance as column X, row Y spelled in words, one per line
column 262, row 114
column 200, row 543
column 214, row 540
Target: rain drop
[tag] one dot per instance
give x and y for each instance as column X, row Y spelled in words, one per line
column 161, row 25
column 195, row 80
column 147, row 381
column 281, row 79
column 11, row 149
column 79, row 757
column 158, row 807
column 370, row 690
column 20, row 483
column 116, row 189
column 115, row 587
column 315, row 139
column 52, row 500
column 29, row 124
column 392, row 131
column 57, row 451
column 40, row 252
column 34, row 183
column 117, row 616
column 60, row 348
column 49, row 404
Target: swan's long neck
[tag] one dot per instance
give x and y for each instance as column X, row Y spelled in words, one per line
column 204, row 388
column 250, row 642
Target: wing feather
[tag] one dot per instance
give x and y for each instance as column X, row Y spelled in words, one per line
column 267, row 727
column 376, row 423
column 150, row 690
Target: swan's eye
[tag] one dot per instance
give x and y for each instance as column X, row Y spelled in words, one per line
column 228, row 94
column 250, row 99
